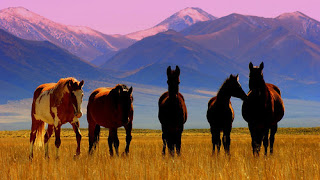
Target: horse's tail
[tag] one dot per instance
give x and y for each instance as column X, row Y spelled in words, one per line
column 40, row 134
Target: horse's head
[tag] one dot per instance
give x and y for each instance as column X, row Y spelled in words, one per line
column 123, row 97
column 173, row 81
column 76, row 93
column 256, row 80
column 234, row 87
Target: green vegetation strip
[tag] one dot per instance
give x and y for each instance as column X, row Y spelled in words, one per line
column 151, row 132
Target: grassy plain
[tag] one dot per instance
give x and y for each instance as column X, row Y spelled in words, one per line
column 296, row 156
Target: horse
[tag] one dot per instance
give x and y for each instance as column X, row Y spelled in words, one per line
column 220, row 113
column 56, row 104
column 172, row 113
column 110, row 108
column 262, row 110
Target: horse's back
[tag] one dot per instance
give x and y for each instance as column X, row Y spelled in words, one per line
column 42, row 88
column 274, row 88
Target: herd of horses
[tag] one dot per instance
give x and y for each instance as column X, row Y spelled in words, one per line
column 60, row 103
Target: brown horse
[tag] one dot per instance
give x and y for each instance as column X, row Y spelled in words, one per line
column 56, row 104
column 172, row 113
column 262, row 110
column 110, row 108
column 220, row 113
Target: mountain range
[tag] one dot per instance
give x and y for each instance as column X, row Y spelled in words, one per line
column 26, row 64
column 35, row 50
column 83, row 42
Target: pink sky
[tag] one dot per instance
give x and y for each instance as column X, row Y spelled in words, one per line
column 125, row 16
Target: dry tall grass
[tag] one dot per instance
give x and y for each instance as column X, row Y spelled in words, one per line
column 295, row 157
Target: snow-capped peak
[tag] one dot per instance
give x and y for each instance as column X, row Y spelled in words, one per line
column 293, row 15
column 19, row 12
column 195, row 13
column 177, row 22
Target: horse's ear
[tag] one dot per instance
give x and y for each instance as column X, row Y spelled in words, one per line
column 81, row 83
column 130, row 90
column 169, row 71
column 261, row 66
column 237, row 77
column 177, row 70
column 230, row 77
column 250, row 66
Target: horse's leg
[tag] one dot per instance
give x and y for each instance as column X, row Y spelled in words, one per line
column 253, row 140
column 96, row 136
column 164, row 140
column 111, row 140
column 178, row 142
column 58, row 140
column 91, row 135
column 272, row 134
column 217, row 138
column 226, row 140
column 212, row 139
column 116, row 142
column 128, row 128
column 170, row 143
column 266, row 141
column 46, row 140
column 76, row 129
column 33, row 135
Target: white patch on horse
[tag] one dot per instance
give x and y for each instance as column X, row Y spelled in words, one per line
column 79, row 95
column 56, row 118
column 42, row 107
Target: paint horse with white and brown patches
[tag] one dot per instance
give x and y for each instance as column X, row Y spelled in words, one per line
column 56, row 104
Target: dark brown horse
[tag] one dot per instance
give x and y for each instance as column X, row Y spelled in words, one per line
column 172, row 113
column 220, row 113
column 110, row 108
column 262, row 110
column 56, row 104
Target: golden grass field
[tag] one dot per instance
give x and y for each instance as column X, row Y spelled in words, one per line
column 296, row 156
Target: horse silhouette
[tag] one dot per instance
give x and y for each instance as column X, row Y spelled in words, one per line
column 220, row 113
column 172, row 113
column 262, row 110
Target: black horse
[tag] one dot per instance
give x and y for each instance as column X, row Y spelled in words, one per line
column 172, row 113
column 220, row 113
column 262, row 110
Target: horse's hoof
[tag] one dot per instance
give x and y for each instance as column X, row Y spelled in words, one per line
column 76, row 156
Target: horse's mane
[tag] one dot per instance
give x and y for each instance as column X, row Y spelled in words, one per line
column 225, row 81
column 121, row 86
column 60, row 89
